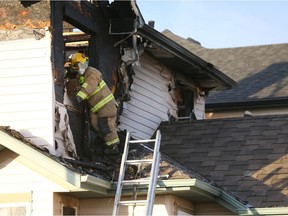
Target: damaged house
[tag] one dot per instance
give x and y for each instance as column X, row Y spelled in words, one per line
column 51, row 161
column 177, row 78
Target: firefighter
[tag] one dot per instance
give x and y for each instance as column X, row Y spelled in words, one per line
column 101, row 101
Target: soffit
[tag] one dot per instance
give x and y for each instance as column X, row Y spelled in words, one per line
column 183, row 61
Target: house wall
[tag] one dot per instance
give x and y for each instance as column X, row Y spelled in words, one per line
column 150, row 99
column 163, row 205
column 26, row 89
column 215, row 209
column 16, row 180
column 61, row 200
column 15, row 204
column 240, row 112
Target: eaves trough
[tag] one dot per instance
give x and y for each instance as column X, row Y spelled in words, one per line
column 188, row 189
column 264, row 211
column 168, row 52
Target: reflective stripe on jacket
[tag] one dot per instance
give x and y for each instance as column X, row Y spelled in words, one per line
column 102, row 103
column 95, row 90
column 84, row 96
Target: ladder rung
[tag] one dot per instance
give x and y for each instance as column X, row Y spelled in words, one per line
column 133, row 202
column 142, row 141
column 133, row 162
column 136, row 181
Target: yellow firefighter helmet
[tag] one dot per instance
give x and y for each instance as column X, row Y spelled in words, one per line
column 77, row 58
column 79, row 62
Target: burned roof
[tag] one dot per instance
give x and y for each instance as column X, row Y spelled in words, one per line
column 261, row 71
column 246, row 156
column 104, row 166
column 107, row 168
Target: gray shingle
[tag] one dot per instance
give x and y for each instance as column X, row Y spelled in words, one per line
column 246, row 65
column 251, row 154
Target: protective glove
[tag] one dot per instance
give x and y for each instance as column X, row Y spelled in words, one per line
column 79, row 99
column 77, row 88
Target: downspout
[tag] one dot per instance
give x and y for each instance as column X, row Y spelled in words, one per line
column 94, row 181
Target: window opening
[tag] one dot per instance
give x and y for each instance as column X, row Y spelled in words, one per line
column 67, row 210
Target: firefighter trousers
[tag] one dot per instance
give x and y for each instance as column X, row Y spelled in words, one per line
column 104, row 122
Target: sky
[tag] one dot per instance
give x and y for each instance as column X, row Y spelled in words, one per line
column 220, row 24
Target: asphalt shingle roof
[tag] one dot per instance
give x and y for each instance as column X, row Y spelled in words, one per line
column 246, row 156
column 261, row 71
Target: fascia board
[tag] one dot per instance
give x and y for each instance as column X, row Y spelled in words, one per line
column 264, row 211
column 63, row 177
column 184, row 54
column 222, row 197
column 49, row 168
column 39, row 162
column 198, row 186
column 95, row 184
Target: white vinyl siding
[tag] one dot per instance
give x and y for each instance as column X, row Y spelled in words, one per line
column 26, row 89
column 17, row 178
column 150, row 100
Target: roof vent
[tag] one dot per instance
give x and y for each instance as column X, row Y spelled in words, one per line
column 151, row 23
column 193, row 41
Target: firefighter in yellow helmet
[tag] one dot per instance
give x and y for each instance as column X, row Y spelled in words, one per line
column 101, row 101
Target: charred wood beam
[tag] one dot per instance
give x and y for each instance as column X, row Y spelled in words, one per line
column 99, row 165
column 57, row 47
column 94, row 165
column 75, row 38
column 81, row 15
column 93, row 52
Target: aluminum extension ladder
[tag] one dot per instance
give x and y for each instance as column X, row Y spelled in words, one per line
column 151, row 181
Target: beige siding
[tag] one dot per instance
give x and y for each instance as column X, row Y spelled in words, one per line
column 211, row 209
column 150, row 99
column 26, row 89
column 164, row 205
column 64, row 200
column 15, row 197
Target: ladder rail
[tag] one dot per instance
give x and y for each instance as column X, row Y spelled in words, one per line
column 152, row 180
column 154, row 174
column 121, row 175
